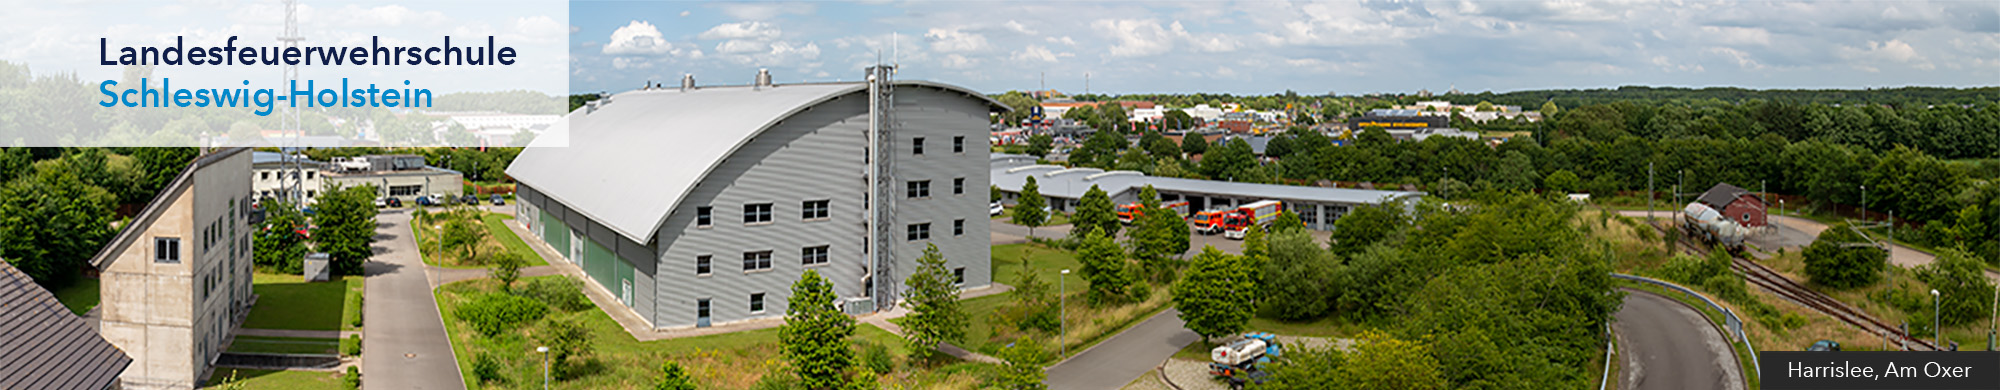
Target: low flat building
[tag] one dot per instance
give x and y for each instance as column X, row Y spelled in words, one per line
column 175, row 282
column 274, row 176
column 404, row 177
column 1319, row 207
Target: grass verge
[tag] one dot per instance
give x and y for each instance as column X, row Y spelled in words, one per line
column 289, row 302
column 294, row 345
column 81, row 296
column 276, row 379
column 724, row 361
column 496, row 226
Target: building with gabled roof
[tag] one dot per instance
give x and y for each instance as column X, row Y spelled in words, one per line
column 44, row 346
column 701, row 205
column 175, row 281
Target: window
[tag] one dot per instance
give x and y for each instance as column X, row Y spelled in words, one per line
column 701, row 265
column 958, row 186
column 958, row 276
column 958, row 144
column 759, row 260
column 309, row 193
column 813, row 255
column 703, row 217
column 757, row 213
column 309, row 174
column 757, row 303
column 267, row 175
column 813, row 209
column 917, row 146
column 917, row 189
column 166, row 250
column 918, row 231
column 958, row 227
column 405, row 190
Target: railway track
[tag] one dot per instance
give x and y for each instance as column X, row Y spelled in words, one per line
column 1770, row 280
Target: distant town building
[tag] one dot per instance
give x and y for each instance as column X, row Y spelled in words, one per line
column 1318, row 207
column 175, row 282
column 1740, row 205
column 404, row 177
column 273, row 176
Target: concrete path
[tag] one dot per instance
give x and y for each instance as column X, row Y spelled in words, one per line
column 313, row 334
column 1664, row 344
column 406, row 344
column 1124, row 357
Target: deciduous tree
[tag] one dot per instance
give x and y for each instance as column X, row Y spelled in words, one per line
column 1094, row 210
column 935, row 314
column 346, row 226
column 1833, row 263
column 1216, row 294
column 815, row 335
column 1028, row 208
column 1103, row 266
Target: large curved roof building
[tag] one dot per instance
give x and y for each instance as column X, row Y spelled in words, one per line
column 698, row 206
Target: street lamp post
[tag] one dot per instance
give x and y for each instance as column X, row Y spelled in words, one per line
column 1062, row 284
column 440, row 243
column 1864, row 202
column 1937, row 335
column 545, row 366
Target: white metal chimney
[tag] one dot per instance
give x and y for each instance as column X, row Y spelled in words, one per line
column 763, row 78
column 687, row 82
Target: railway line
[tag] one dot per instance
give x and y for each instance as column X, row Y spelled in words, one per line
column 1770, row 280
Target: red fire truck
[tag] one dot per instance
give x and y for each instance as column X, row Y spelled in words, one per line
column 1258, row 214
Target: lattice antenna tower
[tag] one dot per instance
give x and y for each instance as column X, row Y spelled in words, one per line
column 290, row 120
column 881, row 177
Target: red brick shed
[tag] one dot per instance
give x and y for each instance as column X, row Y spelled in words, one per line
column 1740, row 205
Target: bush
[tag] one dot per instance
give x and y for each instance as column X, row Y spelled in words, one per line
column 1831, row 264
column 876, row 358
column 351, row 346
column 352, row 380
column 561, row 293
column 487, row 368
column 354, row 300
column 777, row 380
column 493, row 313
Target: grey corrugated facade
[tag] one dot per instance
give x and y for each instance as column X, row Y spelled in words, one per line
column 814, row 154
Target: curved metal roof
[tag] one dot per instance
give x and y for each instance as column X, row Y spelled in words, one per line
column 630, row 161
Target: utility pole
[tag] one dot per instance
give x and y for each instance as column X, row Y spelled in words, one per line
column 1649, row 192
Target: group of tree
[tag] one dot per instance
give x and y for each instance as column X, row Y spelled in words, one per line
column 57, row 204
column 1505, row 293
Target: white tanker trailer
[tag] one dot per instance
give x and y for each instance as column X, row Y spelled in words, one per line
column 1712, row 227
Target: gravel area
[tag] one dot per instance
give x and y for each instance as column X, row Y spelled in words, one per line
column 1192, row 375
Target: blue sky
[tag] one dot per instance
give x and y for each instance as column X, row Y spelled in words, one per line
column 1259, row 47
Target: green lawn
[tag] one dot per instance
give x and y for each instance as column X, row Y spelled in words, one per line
column 1048, row 261
column 288, row 302
column 510, row 240
column 79, row 297
column 1087, row 325
column 277, row 380
column 724, row 361
column 254, row 344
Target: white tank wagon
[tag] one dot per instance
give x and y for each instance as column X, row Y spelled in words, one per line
column 1712, row 227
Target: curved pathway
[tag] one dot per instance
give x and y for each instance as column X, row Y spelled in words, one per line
column 1127, row 355
column 1664, row 344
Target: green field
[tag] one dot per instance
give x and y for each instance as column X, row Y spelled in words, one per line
column 288, row 302
column 277, row 380
column 255, row 344
column 79, row 297
column 495, row 224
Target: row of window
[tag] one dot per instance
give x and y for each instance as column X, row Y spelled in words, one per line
column 757, row 299
column 957, row 145
column 922, row 231
column 266, row 175
column 922, row 188
column 754, row 213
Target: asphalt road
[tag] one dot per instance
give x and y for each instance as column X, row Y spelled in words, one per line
column 1124, row 357
column 1664, row 344
column 403, row 343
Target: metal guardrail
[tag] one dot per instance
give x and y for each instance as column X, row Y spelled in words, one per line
column 1734, row 323
column 1610, row 347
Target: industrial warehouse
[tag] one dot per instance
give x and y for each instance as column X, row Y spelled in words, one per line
column 661, row 190
column 1317, row 206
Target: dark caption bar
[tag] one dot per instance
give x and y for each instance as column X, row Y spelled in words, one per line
column 1879, row 370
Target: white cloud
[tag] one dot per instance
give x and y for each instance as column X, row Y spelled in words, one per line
column 1018, row 27
column 1737, row 35
column 383, row 16
column 1135, row 37
column 1064, row 40
column 742, row 30
column 1741, row 58
column 637, row 38
column 741, row 46
column 955, row 40
column 955, row 61
column 1038, row 53
column 764, row 11
column 686, row 13
column 1891, row 51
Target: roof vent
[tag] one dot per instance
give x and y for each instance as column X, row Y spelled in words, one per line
column 687, row 82
column 763, row 78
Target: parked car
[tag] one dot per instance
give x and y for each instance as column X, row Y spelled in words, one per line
column 468, row 199
column 394, row 202
column 497, row 201
column 1824, row 345
column 380, row 203
column 425, row 201
column 995, row 209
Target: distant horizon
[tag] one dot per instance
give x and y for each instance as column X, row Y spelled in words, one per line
column 1265, row 47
